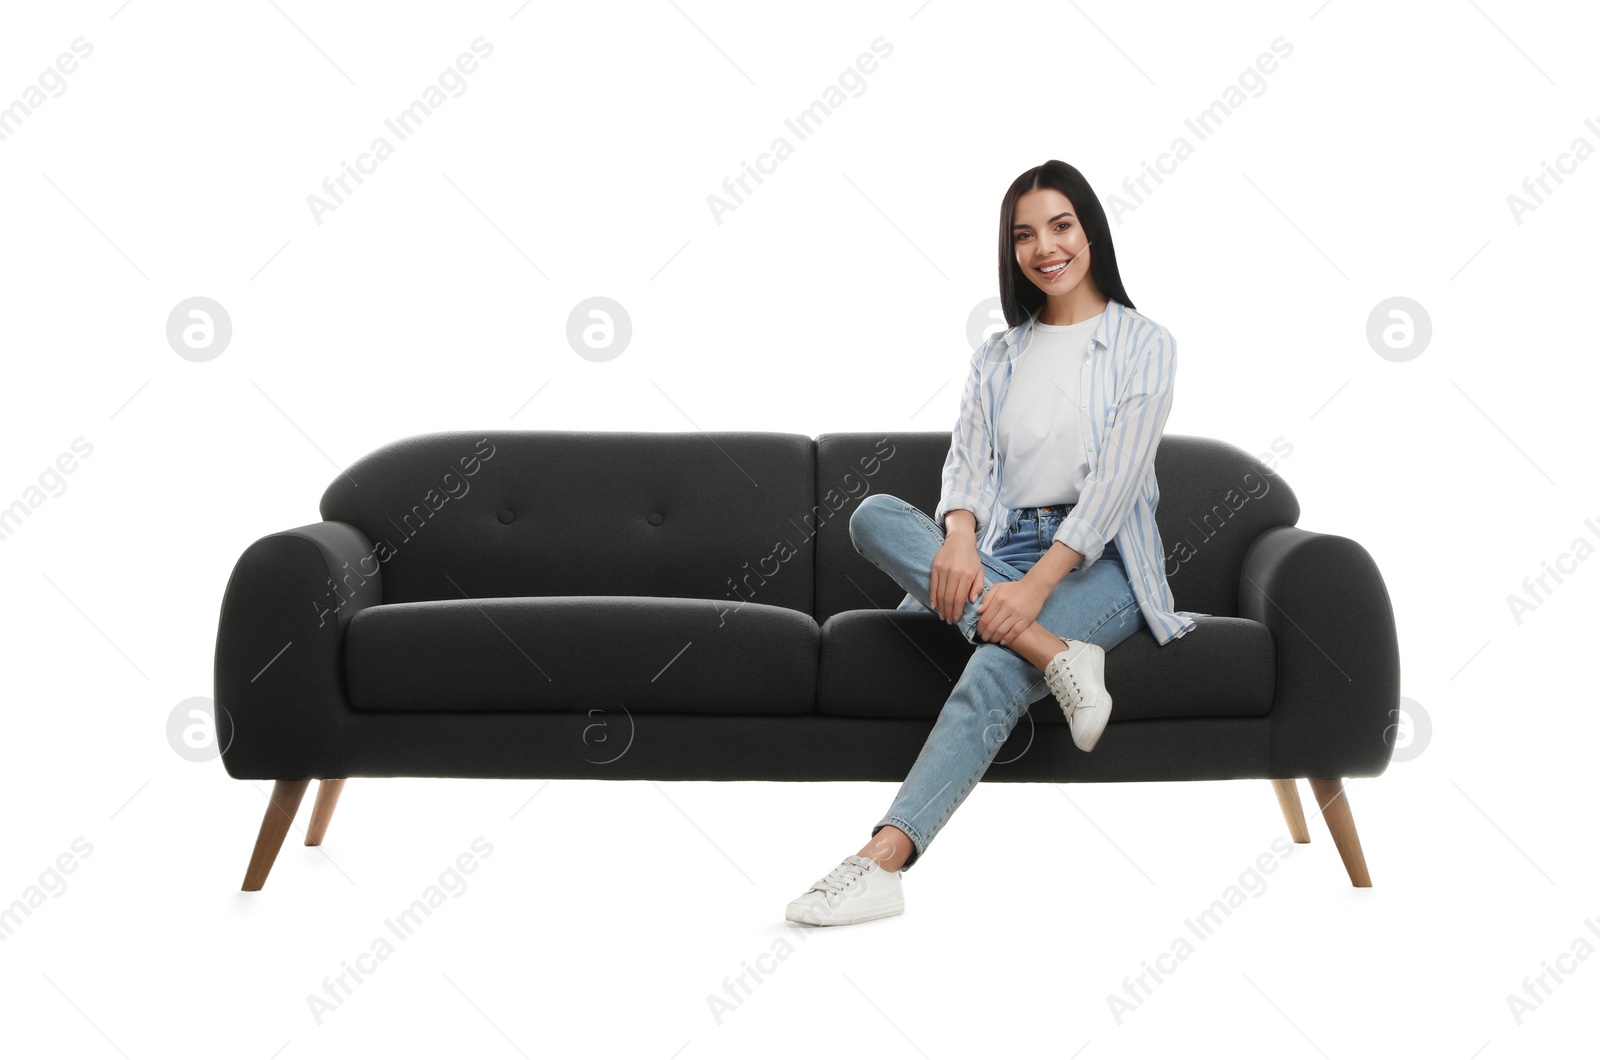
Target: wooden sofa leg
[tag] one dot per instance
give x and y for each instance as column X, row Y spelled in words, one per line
column 1289, row 803
column 328, row 792
column 281, row 807
column 1335, row 803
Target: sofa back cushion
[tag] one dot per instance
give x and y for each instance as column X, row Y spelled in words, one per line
column 1214, row 500
column 726, row 516
column 904, row 464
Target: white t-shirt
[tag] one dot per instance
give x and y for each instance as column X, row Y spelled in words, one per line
column 1040, row 429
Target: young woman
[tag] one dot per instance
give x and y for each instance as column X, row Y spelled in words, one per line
column 1044, row 543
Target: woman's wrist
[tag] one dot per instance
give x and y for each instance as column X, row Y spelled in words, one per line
column 1057, row 562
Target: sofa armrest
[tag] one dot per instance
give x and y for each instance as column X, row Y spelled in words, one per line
column 279, row 671
column 1338, row 653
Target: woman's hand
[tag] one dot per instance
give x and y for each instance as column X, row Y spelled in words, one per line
column 957, row 576
column 1009, row 608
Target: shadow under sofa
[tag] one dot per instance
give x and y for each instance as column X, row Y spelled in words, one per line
column 457, row 609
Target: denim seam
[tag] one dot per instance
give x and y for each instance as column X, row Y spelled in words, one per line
column 1012, row 715
column 1016, row 715
column 919, row 844
column 1000, row 575
column 919, row 513
column 1108, row 618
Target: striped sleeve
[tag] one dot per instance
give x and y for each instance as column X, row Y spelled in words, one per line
column 968, row 468
column 1127, row 456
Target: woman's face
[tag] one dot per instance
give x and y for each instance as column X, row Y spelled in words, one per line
column 1046, row 234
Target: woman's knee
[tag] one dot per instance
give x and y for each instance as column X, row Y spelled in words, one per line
column 868, row 513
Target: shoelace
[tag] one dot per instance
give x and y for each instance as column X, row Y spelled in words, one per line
column 1074, row 693
column 845, row 875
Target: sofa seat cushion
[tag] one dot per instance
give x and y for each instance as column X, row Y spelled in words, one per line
column 648, row 655
column 903, row 664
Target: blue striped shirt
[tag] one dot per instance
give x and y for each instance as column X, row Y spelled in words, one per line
column 1127, row 387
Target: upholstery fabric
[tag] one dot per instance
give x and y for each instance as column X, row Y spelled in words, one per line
column 688, row 606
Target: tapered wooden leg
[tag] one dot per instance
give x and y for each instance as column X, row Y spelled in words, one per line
column 281, row 807
column 322, row 811
column 1289, row 803
column 1335, row 803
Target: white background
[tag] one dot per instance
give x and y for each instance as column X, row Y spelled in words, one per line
column 1376, row 162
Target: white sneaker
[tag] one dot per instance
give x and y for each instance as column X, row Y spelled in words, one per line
column 859, row 889
column 1077, row 677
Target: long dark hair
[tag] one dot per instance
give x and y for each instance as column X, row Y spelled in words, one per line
column 1019, row 297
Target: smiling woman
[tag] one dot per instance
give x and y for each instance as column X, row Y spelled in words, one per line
column 1043, row 549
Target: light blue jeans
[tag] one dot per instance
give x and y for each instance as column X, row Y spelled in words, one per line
column 1095, row 605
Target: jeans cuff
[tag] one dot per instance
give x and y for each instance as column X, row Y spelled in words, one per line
column 917, row 842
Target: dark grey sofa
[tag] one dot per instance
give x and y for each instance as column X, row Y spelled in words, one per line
column 689, row 606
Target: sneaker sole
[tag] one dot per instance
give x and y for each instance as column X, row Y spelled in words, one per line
column 862, row 918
